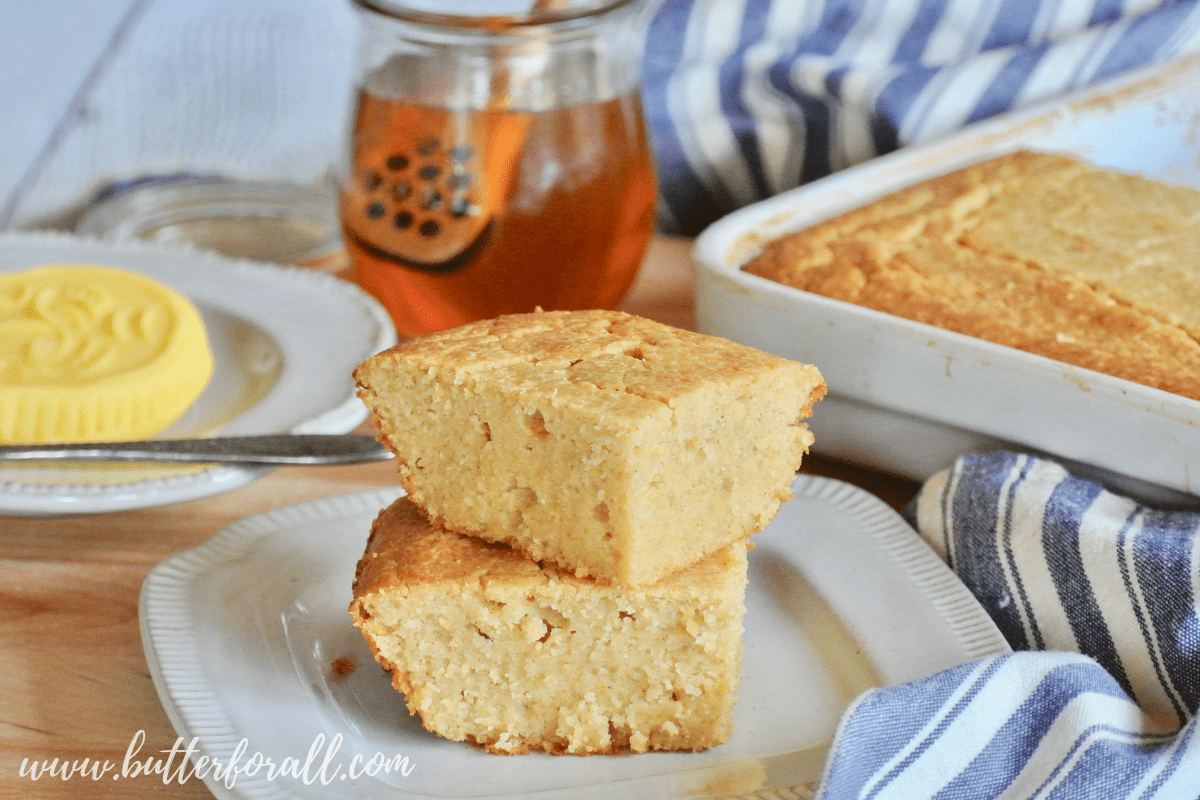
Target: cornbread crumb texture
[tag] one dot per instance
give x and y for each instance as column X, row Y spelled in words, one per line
column 491, row 649
column 89, row 352
column 1037, row 251
column 617, row 447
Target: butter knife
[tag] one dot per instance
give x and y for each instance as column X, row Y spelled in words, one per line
column 341, row 448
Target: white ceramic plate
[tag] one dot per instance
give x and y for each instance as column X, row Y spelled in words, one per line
column 241, row 634
column 284, row 340
column 909, row 398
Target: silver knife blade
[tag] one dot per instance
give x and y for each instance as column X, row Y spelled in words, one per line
column 341, row 448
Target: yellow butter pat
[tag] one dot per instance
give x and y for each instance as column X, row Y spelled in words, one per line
column 92, row 353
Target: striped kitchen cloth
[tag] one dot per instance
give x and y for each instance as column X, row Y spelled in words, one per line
column 1098, row 596
column 747, row 98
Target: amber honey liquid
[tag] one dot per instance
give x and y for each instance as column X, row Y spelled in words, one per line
column 453, row 217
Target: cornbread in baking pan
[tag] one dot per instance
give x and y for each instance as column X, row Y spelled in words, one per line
column 1036, row 251
column 490, row 648
column 616, row 447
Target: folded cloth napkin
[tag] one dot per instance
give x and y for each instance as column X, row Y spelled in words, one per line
column 1098, row 596
column 747, row 99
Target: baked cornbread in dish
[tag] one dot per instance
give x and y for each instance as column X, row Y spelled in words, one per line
column 616, row 447
column 491, row 648
column 95, row 353
column 1036, row 251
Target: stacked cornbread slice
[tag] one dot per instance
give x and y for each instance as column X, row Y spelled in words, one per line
column 567, row 571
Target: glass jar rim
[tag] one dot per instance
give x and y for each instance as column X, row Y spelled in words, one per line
column 493, row 22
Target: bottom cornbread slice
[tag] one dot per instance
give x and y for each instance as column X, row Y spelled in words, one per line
column 492, row 648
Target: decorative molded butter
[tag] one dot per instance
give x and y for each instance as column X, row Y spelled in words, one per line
column 95, row 353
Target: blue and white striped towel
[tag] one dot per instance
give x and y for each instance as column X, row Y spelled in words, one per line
column 1098, row 596
column 747, row 98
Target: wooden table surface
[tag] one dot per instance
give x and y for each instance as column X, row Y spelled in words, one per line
column 74, row 683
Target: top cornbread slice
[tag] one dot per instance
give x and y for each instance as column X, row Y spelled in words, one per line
column 1036, row 251
column 614, row 446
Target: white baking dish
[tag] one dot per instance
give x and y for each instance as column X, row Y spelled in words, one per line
column 908, row 398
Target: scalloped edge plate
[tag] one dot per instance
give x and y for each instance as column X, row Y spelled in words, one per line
column 241, row 634
column 285, row 341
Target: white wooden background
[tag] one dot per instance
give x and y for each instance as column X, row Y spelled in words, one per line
column 96, row 91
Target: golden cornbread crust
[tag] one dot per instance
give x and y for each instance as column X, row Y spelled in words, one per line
column 493, row 649
column 1036, row 251
column 617, row 447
